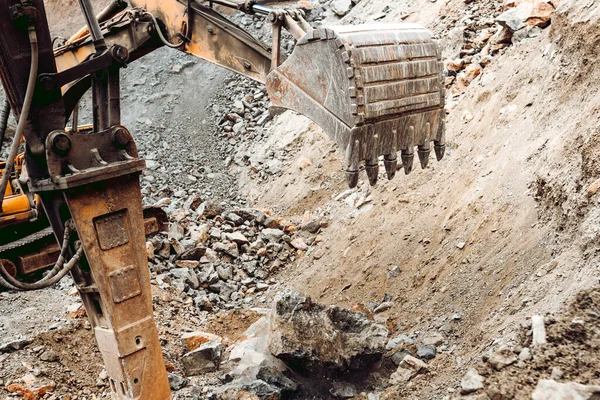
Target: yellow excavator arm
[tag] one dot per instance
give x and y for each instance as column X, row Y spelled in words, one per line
column 376, row 90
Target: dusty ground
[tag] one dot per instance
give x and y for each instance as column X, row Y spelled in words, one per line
column 472, row 247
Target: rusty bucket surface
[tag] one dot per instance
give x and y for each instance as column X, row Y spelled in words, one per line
column 376, row 90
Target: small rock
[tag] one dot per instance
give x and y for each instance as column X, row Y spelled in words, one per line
column 194, row 253
column 556, row 373
column 313, row 225
column 593, row 189
column 343, row 390
column 399, row 340
column 414, row 364
column 209, row 209
column 225, row 272
column 228, row 248
column 425, row 351
column 304, row 163
column 176, row 231
column 205, row 358
column 275, row 378
column 299, row 244
column 471, row 382
column 272, row 235
column 193, row 340
column 538, row 329
column 49, row 356
column 525, row 354
column 466, row 77
column 150, row 250
column 434, row 339
column 237, row 237
column 341, row 7
column 502, row 359
column 187, row 263
column 401, row 375
column 177, row 382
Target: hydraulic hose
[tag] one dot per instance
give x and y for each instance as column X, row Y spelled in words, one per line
column 59, row 270
column 4, row 114
column 61, row 258
column 11, row 283
column 10, row 162
column 160, row 34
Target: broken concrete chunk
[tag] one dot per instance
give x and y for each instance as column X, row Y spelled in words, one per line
column 309, row 336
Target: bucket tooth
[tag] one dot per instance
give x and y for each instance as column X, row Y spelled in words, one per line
column 439, row 145
column 440, row 150
column 352, row 178
column 391, row 163
column 408, row 157
column 424, row 152
column 372, row 168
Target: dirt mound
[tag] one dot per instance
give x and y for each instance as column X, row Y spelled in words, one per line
column 572, row 352
column 501, row 229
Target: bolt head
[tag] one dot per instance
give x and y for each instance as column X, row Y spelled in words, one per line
column 121, row 53
column 61, row 144
column 121, row 137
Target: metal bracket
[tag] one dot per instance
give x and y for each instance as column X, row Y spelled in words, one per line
column 115, row 55
column 76, row 159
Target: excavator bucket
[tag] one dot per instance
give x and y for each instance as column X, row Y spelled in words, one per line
column 376, row 90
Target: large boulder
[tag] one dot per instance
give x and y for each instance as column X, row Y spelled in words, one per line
column 308, row 336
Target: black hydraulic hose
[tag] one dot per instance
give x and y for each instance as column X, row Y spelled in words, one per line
column 160, row 34
column 61, row 258
column 4, row 114
column 11, row 283
column 57, row 273
column 10, row 162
